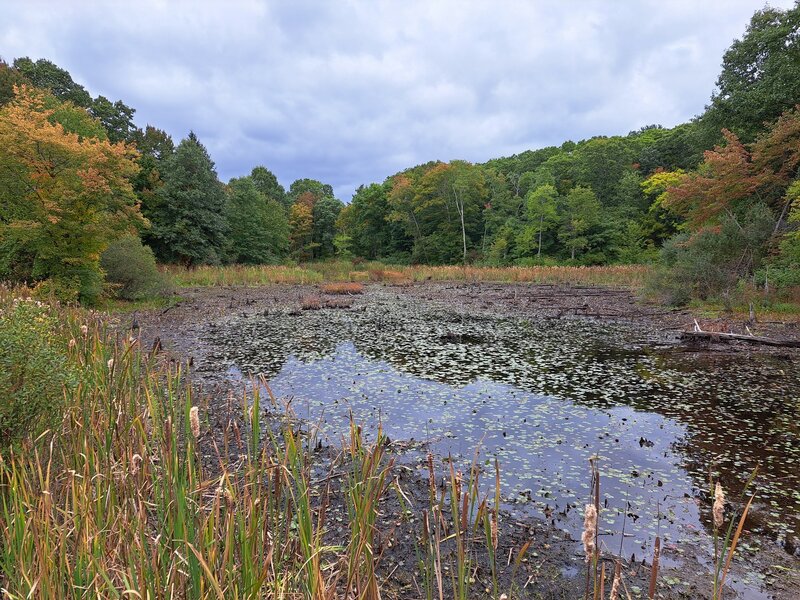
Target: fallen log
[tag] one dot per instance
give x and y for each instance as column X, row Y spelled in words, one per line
column 714, row 336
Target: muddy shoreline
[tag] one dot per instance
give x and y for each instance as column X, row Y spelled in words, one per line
column 556, row 570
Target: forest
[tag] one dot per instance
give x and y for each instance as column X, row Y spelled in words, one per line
column 712, row 203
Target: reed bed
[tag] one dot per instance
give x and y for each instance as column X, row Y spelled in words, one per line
column 631, row 276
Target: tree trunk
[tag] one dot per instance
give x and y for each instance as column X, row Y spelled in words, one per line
column 541, row 225
column 460, row 209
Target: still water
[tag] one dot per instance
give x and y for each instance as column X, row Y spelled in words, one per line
column 543, row 397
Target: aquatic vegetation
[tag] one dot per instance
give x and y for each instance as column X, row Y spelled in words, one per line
column 344, row 288
column 543, row 396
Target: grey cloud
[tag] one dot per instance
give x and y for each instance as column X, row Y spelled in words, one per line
column 350, row 92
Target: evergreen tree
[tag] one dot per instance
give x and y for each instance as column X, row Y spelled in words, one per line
column 188, row 221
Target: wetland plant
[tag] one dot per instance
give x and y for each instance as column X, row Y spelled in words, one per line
column 725, row 546
column 343, row 288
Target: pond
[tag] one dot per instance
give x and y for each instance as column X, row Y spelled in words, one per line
column 543, row 396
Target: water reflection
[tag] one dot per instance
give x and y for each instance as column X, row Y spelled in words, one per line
column 544, row 397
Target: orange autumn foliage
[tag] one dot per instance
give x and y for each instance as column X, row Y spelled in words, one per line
column 65, row 191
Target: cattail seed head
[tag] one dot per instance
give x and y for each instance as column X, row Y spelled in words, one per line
column 589, row 528
column 136, row 460
column 431, row 474
column 495, row 536
column 110, row 363
column 194, row 421
column 719, row 506
column 615, row 586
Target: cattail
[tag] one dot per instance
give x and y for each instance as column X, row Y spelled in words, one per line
column 72, row 343
column 589, row 527
column 616, row 585
column 494, row 528
column 431, row 475
column 110, row 363
column 719, row 506
column 136, row 460
column 194, row 421
column 459, row 481
column 85, row 330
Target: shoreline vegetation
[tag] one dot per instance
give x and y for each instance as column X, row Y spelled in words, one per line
column 630, row 276
column 120, row 487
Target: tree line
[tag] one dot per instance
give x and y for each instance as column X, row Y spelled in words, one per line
column 713, row 199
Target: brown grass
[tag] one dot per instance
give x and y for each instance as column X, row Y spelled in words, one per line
column 342, row 289
column 338, row 302
column 310, row 303
column 358, row 276
column 342, row 271
column 395, row 277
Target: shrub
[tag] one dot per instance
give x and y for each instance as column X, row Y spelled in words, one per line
column 131, row 270
column 709, row 263
column 34, row 370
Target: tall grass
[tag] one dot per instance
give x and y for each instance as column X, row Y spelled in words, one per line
column 342, row 271
column 131, row 496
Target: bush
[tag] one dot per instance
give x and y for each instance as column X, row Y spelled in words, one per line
column 131, row 270
column 710, row 263
column 34, row 370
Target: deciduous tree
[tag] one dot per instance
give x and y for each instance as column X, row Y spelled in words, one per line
column 64, row 194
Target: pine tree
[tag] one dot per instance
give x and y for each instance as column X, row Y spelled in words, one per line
column 188, row 223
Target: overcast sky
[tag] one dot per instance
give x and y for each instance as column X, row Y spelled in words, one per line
column 349, row 92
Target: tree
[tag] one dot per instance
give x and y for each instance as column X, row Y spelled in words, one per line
column 301, row 226
column 467, row 185
column 116, row 117
column 316, row 188
column 600, row 163
column 188, row 220
column 760, row 76
column 724, row 183
column 266, row 183
column 581, row 213
column 325, row 212
column 153, row 142
column 64, row 194
column 542, row 213
column 401, row 204
column 9, row 79
column 48, row 76
column 154, row 146
column 258, row 226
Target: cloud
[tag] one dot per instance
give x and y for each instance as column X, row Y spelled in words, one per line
column 351, row 92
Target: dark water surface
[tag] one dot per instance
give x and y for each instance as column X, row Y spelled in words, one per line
column 543, row 397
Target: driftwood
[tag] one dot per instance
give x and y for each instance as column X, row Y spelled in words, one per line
column 714, row 336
